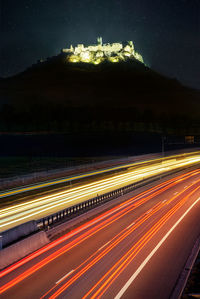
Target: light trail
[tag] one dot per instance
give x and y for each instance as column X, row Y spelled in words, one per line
column 132, row 278
column 126, row 259
column 64, row 180
column 75, row 177
column 66, row 248
column 75, row 192
column 120, row 237
column 165, row 185
column 120, row 211
column 50, row 204
column 113, row 243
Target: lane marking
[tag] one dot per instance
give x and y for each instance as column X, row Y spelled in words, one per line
column 64, row 276
column 154, row 189
column 136, row 273
column 159, row 188
column 125, row 260
column 121, row 234
column 175, row 193
column 104, row 245
column 130, row 225
column 149, row 211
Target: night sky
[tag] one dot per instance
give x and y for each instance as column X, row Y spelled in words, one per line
column 165, row 32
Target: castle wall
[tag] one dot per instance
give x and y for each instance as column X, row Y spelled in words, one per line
column 93, row 53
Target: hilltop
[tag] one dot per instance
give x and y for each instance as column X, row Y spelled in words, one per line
column 57, row 95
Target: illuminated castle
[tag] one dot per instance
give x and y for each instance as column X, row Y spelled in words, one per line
column 100, row 52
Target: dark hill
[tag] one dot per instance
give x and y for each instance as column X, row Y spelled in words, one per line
column 59, row 96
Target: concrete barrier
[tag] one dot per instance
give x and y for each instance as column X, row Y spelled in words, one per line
column 18, row 232
column 22, row 248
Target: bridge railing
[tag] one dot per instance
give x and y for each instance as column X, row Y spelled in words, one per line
column 68, row 213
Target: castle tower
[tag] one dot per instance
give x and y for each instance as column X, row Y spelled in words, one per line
column 100, row 41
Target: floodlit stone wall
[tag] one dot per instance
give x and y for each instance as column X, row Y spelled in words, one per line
column 100, row 52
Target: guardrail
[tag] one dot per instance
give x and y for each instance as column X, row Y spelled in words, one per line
column 64, row 215
column 57, row 174
column 68, row 213
column 53, row 175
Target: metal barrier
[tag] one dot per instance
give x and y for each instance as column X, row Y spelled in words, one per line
column 68, row 213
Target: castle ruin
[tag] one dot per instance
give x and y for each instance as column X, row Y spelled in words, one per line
column 100, row 52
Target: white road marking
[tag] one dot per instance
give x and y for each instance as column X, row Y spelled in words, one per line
column 164, row 201
column 130, row 225
column 133, row 277
column 149, row 211
column 64, row 276
column 175, row 193
column 104, row 245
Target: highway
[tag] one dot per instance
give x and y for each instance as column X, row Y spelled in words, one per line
column 105, row 170
column 136, row 249
column 42, row 206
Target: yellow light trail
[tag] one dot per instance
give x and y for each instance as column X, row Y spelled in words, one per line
column 85, row 175
column 46, row 205
column 128, row 256
column 108, row 218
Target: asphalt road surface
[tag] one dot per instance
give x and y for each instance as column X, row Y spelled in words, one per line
column 137, row 249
